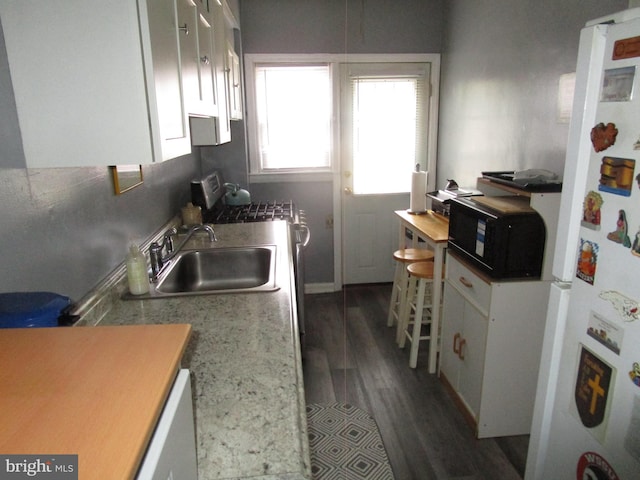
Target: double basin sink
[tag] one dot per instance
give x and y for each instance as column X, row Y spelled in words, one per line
column 216, row 270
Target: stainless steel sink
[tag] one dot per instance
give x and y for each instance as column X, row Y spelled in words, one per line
column 217, row 270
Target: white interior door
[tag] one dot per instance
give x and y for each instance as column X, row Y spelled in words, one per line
column 385, row 133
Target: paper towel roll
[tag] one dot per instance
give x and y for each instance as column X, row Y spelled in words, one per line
column 418, row 199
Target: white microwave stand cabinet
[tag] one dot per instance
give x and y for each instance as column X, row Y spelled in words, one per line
column 491, row 337
column 491, row 342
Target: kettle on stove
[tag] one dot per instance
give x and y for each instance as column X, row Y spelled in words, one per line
column 236, row 195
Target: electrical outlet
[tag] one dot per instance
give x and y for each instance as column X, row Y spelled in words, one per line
column 328, row 223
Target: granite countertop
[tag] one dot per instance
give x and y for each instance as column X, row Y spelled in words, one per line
column 245, row 362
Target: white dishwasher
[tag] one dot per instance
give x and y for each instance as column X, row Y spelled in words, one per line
column 172, row 451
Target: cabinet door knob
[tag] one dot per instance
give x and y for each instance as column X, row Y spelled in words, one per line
column 456, row 348
column 184, row 29
column 205, row 60
column 463, row 342
column 465, row 282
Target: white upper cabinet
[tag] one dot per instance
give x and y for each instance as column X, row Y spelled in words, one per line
column 207, row 62
column 215, row 130
column 96, row 83
column 197, row 43
column 235, row 83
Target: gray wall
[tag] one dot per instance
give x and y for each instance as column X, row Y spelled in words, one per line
column 63, row 229
column 338, row 26
column 501, row 63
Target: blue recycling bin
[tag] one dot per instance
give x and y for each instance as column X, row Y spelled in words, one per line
column 31, row 309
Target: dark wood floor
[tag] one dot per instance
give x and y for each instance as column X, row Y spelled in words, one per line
column 351, row 357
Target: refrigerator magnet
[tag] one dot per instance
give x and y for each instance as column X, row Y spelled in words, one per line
column 593, row 391
column 587, row 261
column 620, row 235
column 591, row 210
column 617, row 84
column 603, row 136
column 626, row 48
column 605, row 332
column 634, row 375
column 616, row 175
column 627, row 308
column 592, row 465
column 635, row 246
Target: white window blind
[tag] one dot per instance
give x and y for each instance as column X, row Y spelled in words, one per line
column 293, row 114
column 389, row 127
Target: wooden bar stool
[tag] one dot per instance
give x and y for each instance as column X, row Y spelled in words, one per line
column 403, row 257
column 417, row 311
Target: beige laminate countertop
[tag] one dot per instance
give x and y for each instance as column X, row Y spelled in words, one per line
column 94, row 392
column 246, row 368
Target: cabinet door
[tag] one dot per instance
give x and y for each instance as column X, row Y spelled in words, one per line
column 235, row 92
column 472, row 352
column 198, row 63
column 110, row 87
column 453, row 317
column 170, row 127
column 172, row 450
column 206, row 64
column 215, row 130
column 188, row 34
column 222, row 71
column 464, row 333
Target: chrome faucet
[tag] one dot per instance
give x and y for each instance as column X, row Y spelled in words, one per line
column 158, row 261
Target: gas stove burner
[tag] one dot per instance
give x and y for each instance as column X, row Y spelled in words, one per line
column 256, row 212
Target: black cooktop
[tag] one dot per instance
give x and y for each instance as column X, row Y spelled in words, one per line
column 253, row 212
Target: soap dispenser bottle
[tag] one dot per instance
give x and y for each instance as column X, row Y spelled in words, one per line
column 137, row 271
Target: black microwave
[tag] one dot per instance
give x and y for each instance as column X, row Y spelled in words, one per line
column 503, row 236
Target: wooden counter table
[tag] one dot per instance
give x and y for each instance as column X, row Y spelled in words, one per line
column 95, row 392
column 434, row 230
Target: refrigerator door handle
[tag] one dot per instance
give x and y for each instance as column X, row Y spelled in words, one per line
column 541, row 425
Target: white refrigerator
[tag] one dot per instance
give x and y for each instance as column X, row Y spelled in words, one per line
column 586, row 422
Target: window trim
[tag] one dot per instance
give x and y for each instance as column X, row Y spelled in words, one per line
column 334, row 60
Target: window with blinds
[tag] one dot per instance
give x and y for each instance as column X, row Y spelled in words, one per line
column 311, row 114
column 293, row 116
column 388, row 125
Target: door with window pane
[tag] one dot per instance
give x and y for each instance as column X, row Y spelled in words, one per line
column 384, row 136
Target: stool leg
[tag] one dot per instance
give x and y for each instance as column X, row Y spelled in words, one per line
column 417, row 324
column 394, row 305
column 405, row 309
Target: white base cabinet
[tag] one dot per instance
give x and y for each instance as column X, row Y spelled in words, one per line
column 172, row 451
column 491, row 341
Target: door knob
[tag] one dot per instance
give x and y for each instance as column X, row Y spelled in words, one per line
column 348, row 190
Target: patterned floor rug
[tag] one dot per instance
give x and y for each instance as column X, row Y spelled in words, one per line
column 345, row 444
